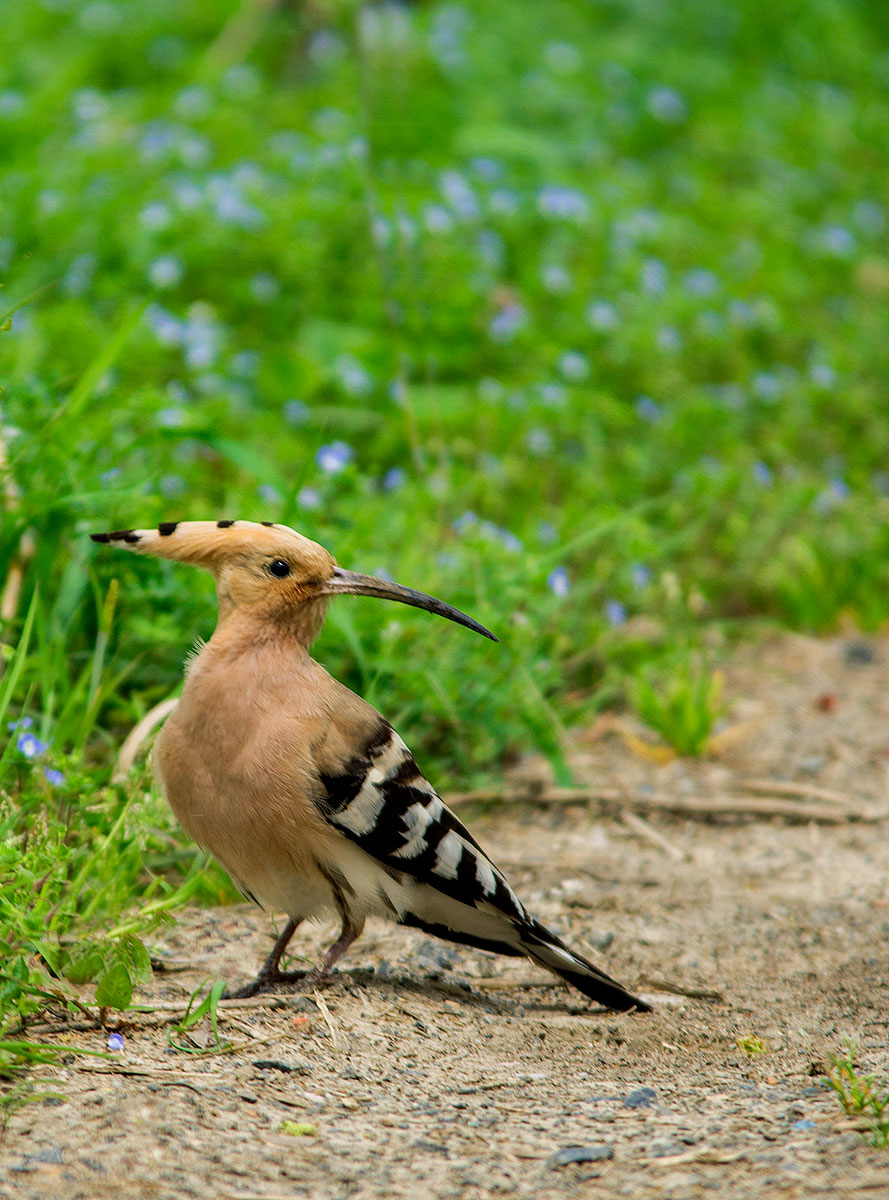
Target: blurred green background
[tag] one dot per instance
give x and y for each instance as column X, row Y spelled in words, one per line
column 573, row 313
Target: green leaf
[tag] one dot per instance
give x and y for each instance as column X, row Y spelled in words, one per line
column 115, row 988
column 85, row 967
column 131, row 951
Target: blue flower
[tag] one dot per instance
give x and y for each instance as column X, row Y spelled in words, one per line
column 29, row 745
column 393, row 479
column 648, row 409
column 615, row 613
column 308, row 498
column 334, row 458
column 21, row 723
column 507, row 323
column 56, row 778
column 762, row 473
column 563, row 203
column 115, row 1041
column 296, row 412
column 559, row 582
column 574, row 365
column 641, row 576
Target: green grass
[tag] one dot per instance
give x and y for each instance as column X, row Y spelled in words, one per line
column 571, row 313
column 860, row 1095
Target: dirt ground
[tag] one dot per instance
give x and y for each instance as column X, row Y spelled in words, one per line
column 425, row 1070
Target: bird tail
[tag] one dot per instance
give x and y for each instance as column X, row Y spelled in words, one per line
column 543, row 947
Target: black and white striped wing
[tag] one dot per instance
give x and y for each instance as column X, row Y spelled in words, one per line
column 382, row 802
column 431, row 872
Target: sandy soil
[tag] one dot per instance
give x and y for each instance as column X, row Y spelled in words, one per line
column 429, row 1070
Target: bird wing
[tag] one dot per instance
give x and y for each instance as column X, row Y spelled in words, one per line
column 376, row 796
column 380, row 800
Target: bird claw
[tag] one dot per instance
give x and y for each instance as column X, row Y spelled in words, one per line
column 287, row 981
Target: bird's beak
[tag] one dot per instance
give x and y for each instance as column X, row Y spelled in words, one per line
column 349, row 583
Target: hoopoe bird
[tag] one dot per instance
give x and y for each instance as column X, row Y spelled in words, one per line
column 304, row 792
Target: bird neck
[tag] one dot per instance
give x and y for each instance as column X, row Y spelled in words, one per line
column 293, row 628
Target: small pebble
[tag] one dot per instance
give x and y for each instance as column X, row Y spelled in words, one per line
column 858, row 654
column 642, row 1097
column 599, row 1152
column 274, row 1064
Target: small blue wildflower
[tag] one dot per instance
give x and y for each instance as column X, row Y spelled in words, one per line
column 507, row 323
column 700, row 282
column 264, row 287
column 767, row 386
column 21, row 723
column 171, row 485
column 552, row 395
column 669, row 338
column 508, row 541
column 309, row 498
column 437, row 219
column 832, row 497
column 393, row 479
column 459, row 195
column 334, row 458
column 562, row 58
column 823, row 376
column 155, row 216
column 352, row 376
column 467, row 520
column 869, row 217
column 648, row 409
column 56, row 778
column 762, row 473
column 559, row 582
column 406, row 226
column 296, row 412
column 547, row 533
column 654, row 276
column 192, row 101
column 539, row 441
column 563, row 203
column 555, row 278
column 490, row 247
column 615, row 613
column 641, row 576
column 574, row 366
column 29, row 745
column 269, row 494
column 165, row 272
column 503, row 203
column 115, row 1041
column 602, row 316
column 490, row 390
column 880, row 482
column 803, row 1126
column 487, row 168
column 667, row 105
column 837, row 240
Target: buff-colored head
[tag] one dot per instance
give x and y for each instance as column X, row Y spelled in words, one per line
column 271, row 571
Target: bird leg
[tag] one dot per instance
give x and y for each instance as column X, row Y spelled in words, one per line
column 348, row 934
column 269, row 974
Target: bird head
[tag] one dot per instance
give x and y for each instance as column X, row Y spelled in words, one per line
column 271, row 571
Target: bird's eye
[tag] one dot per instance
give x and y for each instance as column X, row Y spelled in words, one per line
column 279, row 568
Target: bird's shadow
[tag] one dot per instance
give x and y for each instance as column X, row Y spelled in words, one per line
column 390, row 982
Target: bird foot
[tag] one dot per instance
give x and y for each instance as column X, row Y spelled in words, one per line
column 272, row 981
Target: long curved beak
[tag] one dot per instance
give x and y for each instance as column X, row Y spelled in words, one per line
column 350, row 583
